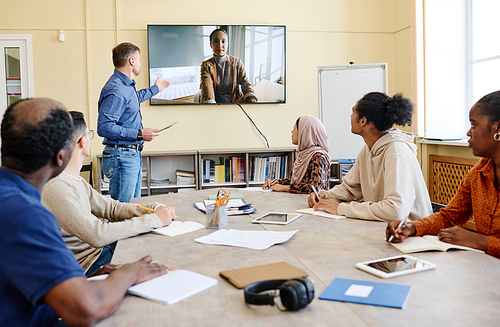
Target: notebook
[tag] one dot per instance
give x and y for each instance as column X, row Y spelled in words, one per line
column 171, row 287
column 364, row 292
column 246, row 276
column 427, row 243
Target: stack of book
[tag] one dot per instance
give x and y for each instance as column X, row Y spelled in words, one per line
column 270, row 167
column 184, row 177
column 144, row 176
column 164, row 181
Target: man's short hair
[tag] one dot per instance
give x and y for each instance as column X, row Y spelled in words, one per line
column 79, row 124
column 35, row 145
column 122, row 52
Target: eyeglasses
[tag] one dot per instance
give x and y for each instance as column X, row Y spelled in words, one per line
column 90, row 134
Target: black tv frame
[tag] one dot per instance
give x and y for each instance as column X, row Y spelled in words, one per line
column 180, row 49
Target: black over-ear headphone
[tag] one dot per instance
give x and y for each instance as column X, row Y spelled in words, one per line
column 294, row 293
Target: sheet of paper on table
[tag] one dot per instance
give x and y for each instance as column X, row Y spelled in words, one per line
column 255, row 189
column 319, row 213
column 178, row 228
column 252, row 239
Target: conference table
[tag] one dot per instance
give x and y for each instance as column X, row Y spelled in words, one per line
column 464, row 289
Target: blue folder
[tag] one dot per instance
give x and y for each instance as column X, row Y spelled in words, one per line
column 382, row 294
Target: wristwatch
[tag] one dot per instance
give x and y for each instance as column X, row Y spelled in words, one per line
column 139, row 135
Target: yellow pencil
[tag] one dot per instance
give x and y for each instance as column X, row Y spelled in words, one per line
column 146, row 208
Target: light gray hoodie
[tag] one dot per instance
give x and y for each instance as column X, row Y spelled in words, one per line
column 385, row 183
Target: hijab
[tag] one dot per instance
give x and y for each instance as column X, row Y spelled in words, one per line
column 312, row 139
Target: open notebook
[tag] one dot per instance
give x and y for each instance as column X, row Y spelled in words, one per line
column 427, row 243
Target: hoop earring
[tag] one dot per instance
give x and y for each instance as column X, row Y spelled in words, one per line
column 496, row 137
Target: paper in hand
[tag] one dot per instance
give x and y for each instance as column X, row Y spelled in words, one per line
column 164, row 128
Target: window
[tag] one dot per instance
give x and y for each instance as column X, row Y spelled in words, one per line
column 484, row 63
column 462, row 62
column 16, row 69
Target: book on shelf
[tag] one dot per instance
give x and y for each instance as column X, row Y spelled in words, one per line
column 227, row 168
column 183, row 180
column 427, row 243
column 185, row 173
column 208, row 171
column 163, row 181
column 220, row 174
column 269, row 167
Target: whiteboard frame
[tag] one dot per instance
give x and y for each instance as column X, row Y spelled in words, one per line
column 382, row 66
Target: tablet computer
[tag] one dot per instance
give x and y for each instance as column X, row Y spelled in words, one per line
column 395, row 266
column 279, row 218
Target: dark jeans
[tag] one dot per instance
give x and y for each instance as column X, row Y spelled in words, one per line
column 104, row 258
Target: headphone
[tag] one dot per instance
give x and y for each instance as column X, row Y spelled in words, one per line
column 295, row 293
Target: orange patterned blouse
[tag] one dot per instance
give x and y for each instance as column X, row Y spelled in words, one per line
column 476, row 196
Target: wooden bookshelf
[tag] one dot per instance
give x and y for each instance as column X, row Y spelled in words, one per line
column 162, row 165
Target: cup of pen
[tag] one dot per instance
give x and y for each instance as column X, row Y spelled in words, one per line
column 216, row 216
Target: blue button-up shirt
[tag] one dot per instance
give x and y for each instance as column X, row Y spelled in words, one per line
column 120, row 111
column 33, row 256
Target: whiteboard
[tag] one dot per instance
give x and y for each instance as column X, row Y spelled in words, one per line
column 340, row 87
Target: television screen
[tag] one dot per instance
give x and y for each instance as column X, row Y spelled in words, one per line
column 217, row 64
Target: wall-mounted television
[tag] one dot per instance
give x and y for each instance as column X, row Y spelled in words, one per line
column 241, row 64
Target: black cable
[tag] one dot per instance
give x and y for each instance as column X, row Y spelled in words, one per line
column 254, row 124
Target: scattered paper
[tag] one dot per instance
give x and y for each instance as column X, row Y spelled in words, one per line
column 257, row 240
column 178, row 228
column 319, row 213
column 255, row 189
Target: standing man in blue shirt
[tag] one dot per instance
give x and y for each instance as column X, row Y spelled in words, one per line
column 40, row 279
column 120, row 123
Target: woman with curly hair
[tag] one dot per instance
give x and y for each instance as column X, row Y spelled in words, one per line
column 477, row 195
column 385, row 183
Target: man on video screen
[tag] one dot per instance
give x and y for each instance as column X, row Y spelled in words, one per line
column 223, row 77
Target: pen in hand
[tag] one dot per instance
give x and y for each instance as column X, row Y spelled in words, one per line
column 141, row 207
column 153, row 210
column 268, row 185
column 315, row 192
column 400, row 224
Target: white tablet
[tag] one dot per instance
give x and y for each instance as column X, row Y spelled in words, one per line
column 395, row 266
column 279, row 218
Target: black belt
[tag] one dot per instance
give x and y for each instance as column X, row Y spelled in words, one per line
column 137, row 146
